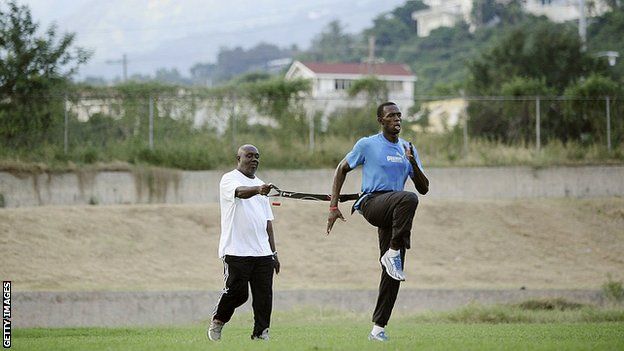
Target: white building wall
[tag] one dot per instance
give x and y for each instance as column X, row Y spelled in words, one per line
column 445, row 13
column 557, row 11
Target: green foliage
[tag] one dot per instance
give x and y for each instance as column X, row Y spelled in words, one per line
column 232, row 62
column 546, row 51
column 332, row 45
column 542, row 60
column 584, row 120
column 613, row 290
column 393, row 29
column 484, row 11
column 376, row 90
column 280, row 99
column 252, row 77
column 605, row 34
column 33, row 67
column 556, row 304
column 509, row 120
column 353, row 123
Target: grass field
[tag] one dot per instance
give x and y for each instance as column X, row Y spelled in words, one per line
column 306, row 330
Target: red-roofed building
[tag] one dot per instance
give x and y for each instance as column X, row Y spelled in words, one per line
column 330, row 82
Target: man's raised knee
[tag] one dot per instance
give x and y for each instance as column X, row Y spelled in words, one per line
column 410, row 198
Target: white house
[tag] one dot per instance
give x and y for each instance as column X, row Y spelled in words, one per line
column 330, row 82
column 446, row 13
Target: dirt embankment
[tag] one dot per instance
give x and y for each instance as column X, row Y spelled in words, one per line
column 562, row 243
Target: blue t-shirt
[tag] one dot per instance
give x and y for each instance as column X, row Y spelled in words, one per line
column 384, row 164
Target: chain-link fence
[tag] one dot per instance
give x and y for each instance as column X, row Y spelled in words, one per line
column 202, row 132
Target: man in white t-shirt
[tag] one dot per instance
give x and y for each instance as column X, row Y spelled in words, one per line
column 247, row 246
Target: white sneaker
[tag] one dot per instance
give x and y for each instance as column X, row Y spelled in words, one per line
column 214, row 330
column 263, row 336
column 381, row 336
column 393, row 266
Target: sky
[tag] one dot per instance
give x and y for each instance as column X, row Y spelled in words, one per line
column 177, row 34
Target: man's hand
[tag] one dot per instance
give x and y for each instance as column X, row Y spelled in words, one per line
column 276, row 264
column 264, row 189
column 334, row 214
column 408, row 151
column 420, row 179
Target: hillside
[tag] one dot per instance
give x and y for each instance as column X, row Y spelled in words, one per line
column 562, row 243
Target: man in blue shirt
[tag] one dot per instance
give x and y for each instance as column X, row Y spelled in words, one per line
column 386, row 161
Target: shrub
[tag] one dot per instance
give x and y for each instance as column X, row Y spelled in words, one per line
column 557, row 304
column 613, row 290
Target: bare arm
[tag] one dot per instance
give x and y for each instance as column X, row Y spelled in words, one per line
column 339, row 178
column 245, row 192
column 419, row 178
column 269, row 230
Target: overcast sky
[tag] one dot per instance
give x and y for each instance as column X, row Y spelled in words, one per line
column 170, row 33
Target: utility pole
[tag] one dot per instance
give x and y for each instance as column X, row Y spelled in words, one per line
column 124, row 63
column 582, row 25
column 371, row 60
column 371, row 53
column 66, row 131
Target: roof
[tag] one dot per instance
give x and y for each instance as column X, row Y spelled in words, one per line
column 385, row 69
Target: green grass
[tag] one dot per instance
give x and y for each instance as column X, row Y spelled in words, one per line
column 309, row 329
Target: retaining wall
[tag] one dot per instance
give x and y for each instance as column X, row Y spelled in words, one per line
column 170, row 186
column 118, row 309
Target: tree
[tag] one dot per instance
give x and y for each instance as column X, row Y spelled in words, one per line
column 202, row 73
column 280, row 99
column 393, row 29
column 605, row 34
column 542, row 60
column 584, row 117
column 170, row 76
column 32, row 67
column 333, row 45
column 484, row 11
column 544, row 50
column 376, row 90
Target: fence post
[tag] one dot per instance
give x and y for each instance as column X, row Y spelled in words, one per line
column 465, row 134
column 233, row 118
column 66, row 131
column 607, row 100
column 537, row 123
column 151, row 122
column 311, row 131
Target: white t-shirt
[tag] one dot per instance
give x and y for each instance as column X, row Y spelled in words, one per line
column 243, row 221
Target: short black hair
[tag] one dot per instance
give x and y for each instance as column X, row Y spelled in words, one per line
column 381, row 107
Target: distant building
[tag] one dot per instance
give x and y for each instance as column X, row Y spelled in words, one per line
column 330, row 82
column 446, row 13
column 441, row 13
column 441, row 115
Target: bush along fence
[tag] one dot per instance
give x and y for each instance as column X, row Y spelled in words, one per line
column 194, row 129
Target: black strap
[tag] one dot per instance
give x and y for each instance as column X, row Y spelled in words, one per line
column 308, row 196
column 368, row 197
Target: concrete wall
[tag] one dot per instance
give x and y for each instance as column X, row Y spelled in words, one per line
column 170, row 186
column 118, row 309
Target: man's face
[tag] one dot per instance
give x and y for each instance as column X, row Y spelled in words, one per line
column 391, row 119
column 248, row 160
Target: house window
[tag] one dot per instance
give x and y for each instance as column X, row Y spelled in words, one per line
column 342, row 84
column 394, row 85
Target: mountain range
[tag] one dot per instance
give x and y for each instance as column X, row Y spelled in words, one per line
column 177, row 34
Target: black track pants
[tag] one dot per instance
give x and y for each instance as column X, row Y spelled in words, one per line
column 240, row 274
column 392, row 213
